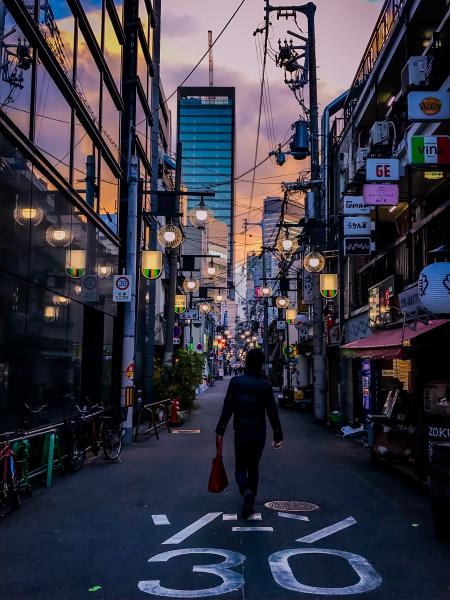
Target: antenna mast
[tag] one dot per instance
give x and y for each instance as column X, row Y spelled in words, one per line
column 211, row 62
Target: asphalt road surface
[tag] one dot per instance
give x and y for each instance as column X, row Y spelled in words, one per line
column 148, row 528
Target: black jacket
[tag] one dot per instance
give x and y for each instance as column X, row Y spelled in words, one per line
column 249, row 397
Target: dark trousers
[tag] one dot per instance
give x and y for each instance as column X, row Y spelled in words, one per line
column 248, row 449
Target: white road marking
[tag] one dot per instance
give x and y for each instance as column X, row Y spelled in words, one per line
column 160, row 520
column 248, row 529
column 229, row 517
column 191, row 529
column 322, row 533
column 291, row 516
column 255, row 517
column 369, row 579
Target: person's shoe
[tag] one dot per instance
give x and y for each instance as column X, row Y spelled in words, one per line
column 247, row 506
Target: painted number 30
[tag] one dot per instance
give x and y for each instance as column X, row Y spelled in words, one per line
column 279, row 565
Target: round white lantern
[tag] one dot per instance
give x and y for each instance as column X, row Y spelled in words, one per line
column 433, row 287
column 301, row 322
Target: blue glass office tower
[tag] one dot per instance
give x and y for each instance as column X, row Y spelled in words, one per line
column 206, row 123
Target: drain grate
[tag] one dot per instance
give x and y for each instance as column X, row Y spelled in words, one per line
column 291, row 506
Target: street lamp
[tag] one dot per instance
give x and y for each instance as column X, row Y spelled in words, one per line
column 287, row 245
column 265, row 291
column 282, row 302
column 218, row 298
column 314, row 262
column 200, row 215
column 205, row 308
column 170, row 236
column 210, row 268
column 59, row 236
column 191, row 285
column 24, row 215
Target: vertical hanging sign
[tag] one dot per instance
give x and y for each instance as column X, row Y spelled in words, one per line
column 308, row 288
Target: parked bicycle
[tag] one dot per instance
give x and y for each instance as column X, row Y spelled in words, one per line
column 92, row 430
column 10, row 481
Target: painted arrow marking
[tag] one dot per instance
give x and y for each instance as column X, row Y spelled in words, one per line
column 160, row 520
column 322, row 533
column 232, row 517
column 191, row 529
column 291, row 516
column 255, row 517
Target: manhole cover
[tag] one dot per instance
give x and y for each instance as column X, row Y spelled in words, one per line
column 291, row 506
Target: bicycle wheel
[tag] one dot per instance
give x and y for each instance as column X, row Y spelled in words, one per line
column 76, row 455
column 112, row 444
column 143, row 425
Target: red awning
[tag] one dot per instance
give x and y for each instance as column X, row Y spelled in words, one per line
column 388, row 343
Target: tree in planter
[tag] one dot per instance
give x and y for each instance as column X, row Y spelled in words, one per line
column 181, row 380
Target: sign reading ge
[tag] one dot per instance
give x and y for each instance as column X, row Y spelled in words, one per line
column 382, row 169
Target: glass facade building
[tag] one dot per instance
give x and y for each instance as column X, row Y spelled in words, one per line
column 61, row 109
column 206, row 128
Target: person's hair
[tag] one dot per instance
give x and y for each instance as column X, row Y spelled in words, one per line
column 254, row 360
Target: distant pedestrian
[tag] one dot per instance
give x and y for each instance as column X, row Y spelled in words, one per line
column 249, row 397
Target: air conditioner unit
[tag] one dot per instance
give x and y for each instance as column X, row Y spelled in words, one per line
column 379, row 134
column 415, row 72
column 360, row 158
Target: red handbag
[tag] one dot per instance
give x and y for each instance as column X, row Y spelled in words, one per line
column 218, row 479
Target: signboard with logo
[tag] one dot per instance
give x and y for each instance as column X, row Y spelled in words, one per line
column 357, row 246
column 381, row 194
column 307, row 288
column 189, row 313
column 357, row 328
column 428, row 106
column 357, row 226
column 382, row 169
column 122, row 288
column 281, row 325
column 380, row 302
column 429, row 150
column 354, row 205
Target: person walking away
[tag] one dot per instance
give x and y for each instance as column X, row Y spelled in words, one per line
column 248, row 399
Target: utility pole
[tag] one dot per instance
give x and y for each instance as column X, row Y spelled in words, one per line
column 172, row 254
column 309, row 10
column 318, row 328
column 211, row 60
column 265, row 320
column 129, row 332
column 149, row 350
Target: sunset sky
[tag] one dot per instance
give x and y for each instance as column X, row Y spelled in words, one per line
column 343, row 28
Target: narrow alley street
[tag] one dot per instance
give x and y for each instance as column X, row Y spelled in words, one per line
column 96, row 534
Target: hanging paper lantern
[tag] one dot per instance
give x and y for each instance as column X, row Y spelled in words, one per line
column 75, row 263
column 152, row 263
column 282, row 302
column 218, row 298
column 329, row 285
column 314, row 262
column 433, row 287
column 301, row 322
column 210, row 269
